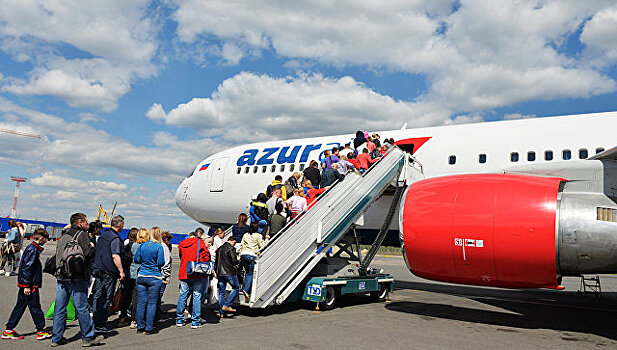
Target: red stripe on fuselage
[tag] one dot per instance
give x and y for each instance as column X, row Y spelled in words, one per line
column 417, row 142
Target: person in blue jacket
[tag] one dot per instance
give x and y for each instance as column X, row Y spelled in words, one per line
column 9, row 248
column 149, row 281
column 29, row 281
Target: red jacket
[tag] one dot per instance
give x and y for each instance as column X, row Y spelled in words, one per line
column 313, row 193
column 365, row 160
column 188, row 252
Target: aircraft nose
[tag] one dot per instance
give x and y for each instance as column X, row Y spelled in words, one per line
column 183, row 195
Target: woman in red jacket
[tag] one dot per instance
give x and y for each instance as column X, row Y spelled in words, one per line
column 188, row 252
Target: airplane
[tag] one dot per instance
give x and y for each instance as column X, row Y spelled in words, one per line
column 513, row 203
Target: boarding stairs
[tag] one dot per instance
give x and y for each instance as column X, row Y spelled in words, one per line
column 290, row 256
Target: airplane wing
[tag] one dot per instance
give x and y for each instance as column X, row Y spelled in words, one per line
column 609, row 154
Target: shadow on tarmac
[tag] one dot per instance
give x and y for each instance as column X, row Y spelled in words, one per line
column 533, row 309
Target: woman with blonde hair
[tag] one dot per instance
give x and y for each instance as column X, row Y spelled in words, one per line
column 151, row 256
column 157, row 236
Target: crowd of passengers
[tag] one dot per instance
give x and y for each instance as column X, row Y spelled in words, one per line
column 91, row 261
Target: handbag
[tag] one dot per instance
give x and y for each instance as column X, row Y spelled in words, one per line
column 198, row 268
column 116, row 304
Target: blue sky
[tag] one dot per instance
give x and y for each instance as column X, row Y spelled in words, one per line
column 130, row 96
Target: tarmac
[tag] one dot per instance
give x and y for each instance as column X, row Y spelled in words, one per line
column 420, row 315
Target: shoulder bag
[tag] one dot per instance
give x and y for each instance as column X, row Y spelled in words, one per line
column 198, row 268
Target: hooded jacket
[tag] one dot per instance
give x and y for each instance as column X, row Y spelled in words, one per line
column 188, row 252
column 359, row 140
column 277, row 184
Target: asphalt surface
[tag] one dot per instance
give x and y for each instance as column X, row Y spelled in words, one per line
column 421, row 315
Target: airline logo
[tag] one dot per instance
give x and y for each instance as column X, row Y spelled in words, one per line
column 282, row 155
column 204, row 167
column 302, row 153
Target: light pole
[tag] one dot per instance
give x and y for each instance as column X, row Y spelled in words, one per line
column 18, row 180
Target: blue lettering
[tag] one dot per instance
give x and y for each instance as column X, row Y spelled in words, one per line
column 248, row 158
column 284, row 158
column 265, row 159
column 307, row 150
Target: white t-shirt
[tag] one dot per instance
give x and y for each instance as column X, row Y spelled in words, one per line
column 217, row 242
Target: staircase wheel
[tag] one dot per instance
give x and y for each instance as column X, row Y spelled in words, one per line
column 331, row 296
column 382, row 293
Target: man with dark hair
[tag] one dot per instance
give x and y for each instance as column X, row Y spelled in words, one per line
column 107, row 270
column 29, row 280
column 312, row 174
column 226, row 270
column 75, row 286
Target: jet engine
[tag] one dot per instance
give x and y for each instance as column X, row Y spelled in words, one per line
column 506, row 230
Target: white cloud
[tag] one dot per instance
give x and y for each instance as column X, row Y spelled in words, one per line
column 600, row 35
column 113, row 42
column 484, row 55
column 49, row 179
column 256, row 107
column 80, row 146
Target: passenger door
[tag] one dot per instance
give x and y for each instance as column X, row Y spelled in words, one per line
column 217, row 176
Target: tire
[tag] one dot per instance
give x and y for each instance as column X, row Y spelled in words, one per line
column 382, row 294
column 331, row 298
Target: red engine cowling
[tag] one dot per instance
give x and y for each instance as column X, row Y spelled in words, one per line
column 487, row 229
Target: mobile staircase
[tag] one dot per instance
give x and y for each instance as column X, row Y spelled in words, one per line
column 303, row 249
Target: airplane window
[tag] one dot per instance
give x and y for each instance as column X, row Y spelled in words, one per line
column 282, row 167
column 514, row 157
column 264, row 168
column 599, row 150
column 548, row 155
column 255, row 169
column 273, row 169
column 566, row 154
column 482, row 158
column 302, row 166
column 582, row 153
column 531, row 156
column 291, row 167
column 452, row 160
column 239, row 170
column 248, row 168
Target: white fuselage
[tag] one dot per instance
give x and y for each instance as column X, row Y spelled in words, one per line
column 217, row 194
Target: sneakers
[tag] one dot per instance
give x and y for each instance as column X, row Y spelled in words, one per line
column 7, row 274
column 61, row 342
column 180, row 323
column 196, row 325
column 12, row 335
column 97, row 340
column 102, row 330
column 133, row 325
column 154, row 331
column 2, row 271
column 42, row 335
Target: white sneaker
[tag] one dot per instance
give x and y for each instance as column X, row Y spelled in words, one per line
column 7, row 274
column 1, row 272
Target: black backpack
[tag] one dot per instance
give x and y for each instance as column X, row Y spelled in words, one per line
column 73, row 259
column 127, row 257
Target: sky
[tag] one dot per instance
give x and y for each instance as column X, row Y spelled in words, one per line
column 128, row 96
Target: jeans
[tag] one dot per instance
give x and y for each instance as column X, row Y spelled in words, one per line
column 235, row 286
column 148, row 289
column 104, row 288
column 248, row 262
column 199, row 286
column 78, row 290
column 32, row 302
column 157, row 316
